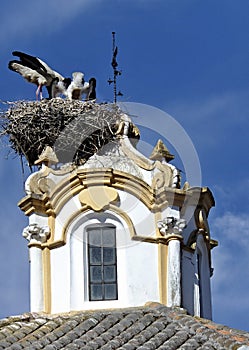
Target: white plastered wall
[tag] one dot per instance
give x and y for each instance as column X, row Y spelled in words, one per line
column 137, row 262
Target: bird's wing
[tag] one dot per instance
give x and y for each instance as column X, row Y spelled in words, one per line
column 92, row 89
column 50, row 71
column 86, row 87
column 27, row 73
column 37, row 64
column 29, row 61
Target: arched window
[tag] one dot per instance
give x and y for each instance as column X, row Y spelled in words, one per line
column 202, row 293
column 102, row 262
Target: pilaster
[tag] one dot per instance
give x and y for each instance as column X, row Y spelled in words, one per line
column 36, row 235
column 170, row 228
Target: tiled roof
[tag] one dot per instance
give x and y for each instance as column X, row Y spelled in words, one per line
column 149, row 327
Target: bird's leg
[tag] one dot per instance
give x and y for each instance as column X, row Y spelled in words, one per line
column 41, row 97
column 39, row 92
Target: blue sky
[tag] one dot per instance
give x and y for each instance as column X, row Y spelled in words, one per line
column 189, row 58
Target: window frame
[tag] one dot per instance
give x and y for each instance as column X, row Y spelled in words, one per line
column 102, row 264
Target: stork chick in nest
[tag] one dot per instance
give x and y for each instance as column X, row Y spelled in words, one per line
column 77, row 86
column 59, row 87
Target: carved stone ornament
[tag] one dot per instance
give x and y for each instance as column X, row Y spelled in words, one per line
column 127, row 128
column 171, row 226
column 162, row 176
column 36, row 232
column 47, row 157
column 201, row 221
column 165, row 175
column 161, row 152
column 38, row 183
column 98, row 197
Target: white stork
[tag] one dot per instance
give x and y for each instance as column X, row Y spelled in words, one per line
column 35, row 71
column 59, row 87
column 79, row 87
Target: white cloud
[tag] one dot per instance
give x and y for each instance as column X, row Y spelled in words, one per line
column 232, row 232
column 234, row 228
column 26, row 19
column 228, row 106
column 238, row 196
column 216, row 123
column 230, row 282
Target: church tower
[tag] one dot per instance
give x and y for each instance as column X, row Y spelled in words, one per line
column 113, row 228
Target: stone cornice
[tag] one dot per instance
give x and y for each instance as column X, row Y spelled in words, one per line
column 35, row 204
column 50, row 203
column 203, row 197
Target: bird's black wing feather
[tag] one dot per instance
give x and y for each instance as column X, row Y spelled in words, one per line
column 67, row 82
column 92, row 89
column 10, row 65
column 30, row 61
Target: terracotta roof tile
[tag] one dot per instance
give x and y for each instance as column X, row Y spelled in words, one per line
column 144, row 328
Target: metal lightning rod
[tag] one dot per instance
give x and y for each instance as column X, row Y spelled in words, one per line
column 116, row 72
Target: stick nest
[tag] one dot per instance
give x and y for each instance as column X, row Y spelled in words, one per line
column 75, row 129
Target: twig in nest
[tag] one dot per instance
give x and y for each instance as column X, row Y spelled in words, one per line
column 75, row 129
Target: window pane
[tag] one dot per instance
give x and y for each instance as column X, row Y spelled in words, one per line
column 110, row 291
column 95, row 255
column 96, row 292
column 108, row 237
column 109, row 256
column 109, row 274
column 102, row 263
column 95, row 274
column 94, row 236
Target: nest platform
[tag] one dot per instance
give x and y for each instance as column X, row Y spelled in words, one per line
column 74, row 129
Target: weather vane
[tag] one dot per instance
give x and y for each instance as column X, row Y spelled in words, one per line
column 116, row 72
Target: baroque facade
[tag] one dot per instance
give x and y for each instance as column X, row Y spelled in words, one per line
column 117, row 231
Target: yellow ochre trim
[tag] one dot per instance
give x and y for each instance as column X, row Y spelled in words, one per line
column 155, row 200
column 101, row 177
column 46, row 279
column 51, row 225
column 55, row 244
column 98, row 197
column 162, row 271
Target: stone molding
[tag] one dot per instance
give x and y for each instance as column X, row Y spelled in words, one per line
column 171, row 226
column 36, row 234
column 98, row 197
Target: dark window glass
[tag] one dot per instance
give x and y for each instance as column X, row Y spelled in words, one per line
column 102, row 261
column 110, row 273
column 95, row 255
column 95, row 274
column 95, row 238
column 110, row 291
column 96, row 292
column 109, row 256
